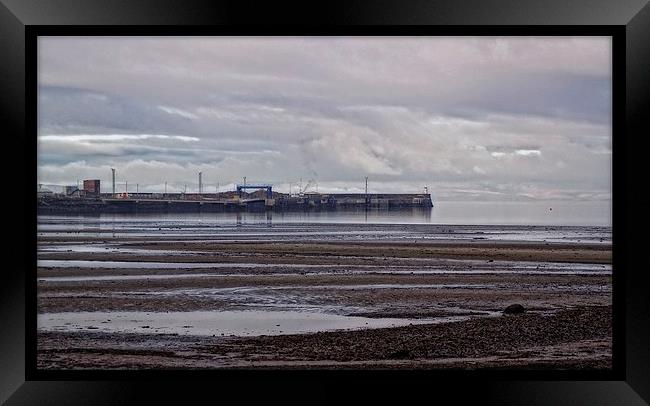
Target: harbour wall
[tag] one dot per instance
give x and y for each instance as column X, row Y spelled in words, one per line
column 143, row 203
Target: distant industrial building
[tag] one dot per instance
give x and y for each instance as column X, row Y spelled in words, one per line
column 91, row 187
column 71, row 191
column 44, row 192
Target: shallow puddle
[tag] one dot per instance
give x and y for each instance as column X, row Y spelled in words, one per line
column 222, row 323
column 125, row 277
column 511, row 267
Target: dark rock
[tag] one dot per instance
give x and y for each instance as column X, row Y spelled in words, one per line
column 514, row 309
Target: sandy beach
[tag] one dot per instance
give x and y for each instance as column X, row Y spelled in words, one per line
column 322, row 296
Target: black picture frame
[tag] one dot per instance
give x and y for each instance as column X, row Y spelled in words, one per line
column 629, row 24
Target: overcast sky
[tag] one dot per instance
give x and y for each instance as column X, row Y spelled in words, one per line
column 473, row 119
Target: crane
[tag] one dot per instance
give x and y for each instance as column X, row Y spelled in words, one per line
column 301, row 192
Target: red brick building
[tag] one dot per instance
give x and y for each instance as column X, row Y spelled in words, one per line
column 91, row 187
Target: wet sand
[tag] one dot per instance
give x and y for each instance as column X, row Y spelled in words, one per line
column 564, row 286
column 569, row 339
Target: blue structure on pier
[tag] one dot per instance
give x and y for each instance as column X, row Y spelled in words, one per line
column 268, row 187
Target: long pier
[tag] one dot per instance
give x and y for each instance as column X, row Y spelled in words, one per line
column 178, row 203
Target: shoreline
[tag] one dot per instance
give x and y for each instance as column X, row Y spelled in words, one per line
column 565, row 288
column 328, row 252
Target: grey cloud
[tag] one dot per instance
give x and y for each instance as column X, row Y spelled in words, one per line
column 63, row 108
column 472, row 118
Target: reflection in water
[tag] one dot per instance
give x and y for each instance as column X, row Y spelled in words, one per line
column 363, row 215
column 220, row 323
column 90, row 222
column 457, row 213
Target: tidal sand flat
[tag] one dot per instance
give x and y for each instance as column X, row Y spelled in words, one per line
column 163, row 292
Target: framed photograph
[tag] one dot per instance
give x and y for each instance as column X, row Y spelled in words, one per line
column 397, row 196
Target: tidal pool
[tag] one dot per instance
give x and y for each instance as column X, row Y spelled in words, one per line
column 219, row 323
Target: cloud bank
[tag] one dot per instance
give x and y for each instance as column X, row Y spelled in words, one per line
column 473, row 119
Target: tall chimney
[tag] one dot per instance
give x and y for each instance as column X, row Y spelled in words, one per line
column 113, row 170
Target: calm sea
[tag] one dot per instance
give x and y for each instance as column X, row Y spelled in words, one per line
column 452, row 213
